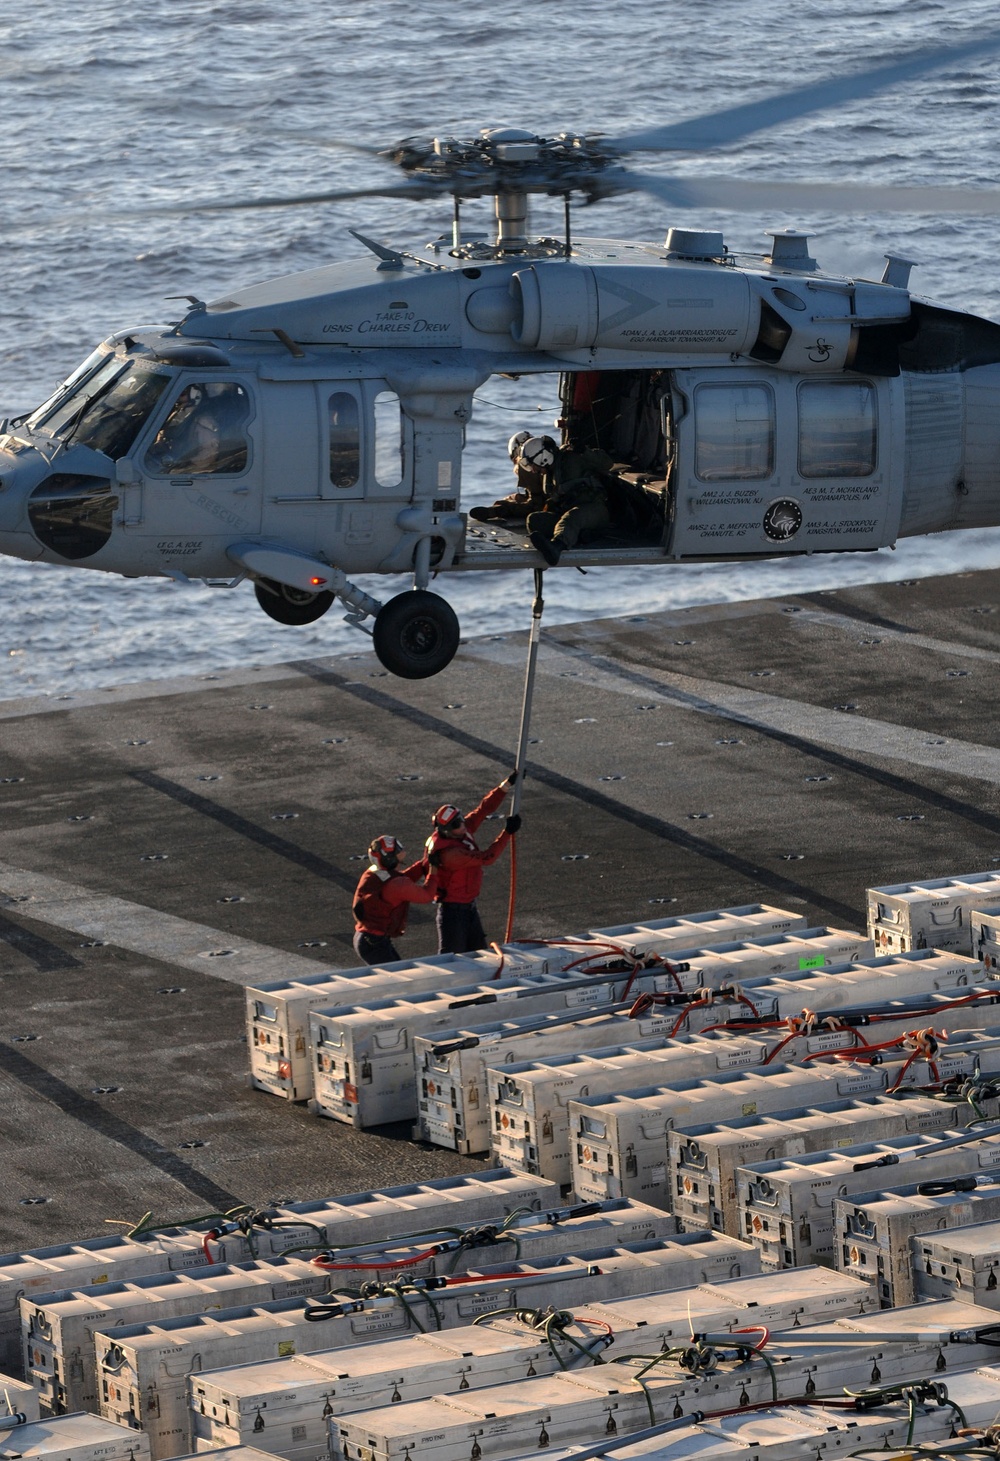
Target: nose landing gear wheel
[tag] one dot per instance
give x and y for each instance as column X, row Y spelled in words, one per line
column 416, row 634
column 291, row 605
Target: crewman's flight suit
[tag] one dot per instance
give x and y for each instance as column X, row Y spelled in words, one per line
column 460, row 864
column 381, row 903
column 576, row 501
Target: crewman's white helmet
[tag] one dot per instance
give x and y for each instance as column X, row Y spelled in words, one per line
column 516, row 442
column 538, row 452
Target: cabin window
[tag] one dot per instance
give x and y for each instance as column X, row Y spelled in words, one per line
column 388, row 439
column 345, row 440
column 734, row 428
column 205, row 433
column 837, row 435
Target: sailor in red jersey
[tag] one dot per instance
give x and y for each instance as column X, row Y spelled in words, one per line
column 452, row 850
column 383, row 898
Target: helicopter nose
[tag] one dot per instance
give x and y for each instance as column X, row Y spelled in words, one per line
column 20, row 474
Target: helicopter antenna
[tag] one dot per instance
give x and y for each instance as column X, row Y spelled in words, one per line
column 391, row 259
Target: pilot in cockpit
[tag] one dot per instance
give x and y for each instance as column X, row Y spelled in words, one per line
column 204, row 432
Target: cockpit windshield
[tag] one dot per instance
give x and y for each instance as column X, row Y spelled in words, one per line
column 93, row 360
column 108, row 409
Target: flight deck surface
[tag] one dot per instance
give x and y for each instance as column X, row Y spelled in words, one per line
column 161, row 845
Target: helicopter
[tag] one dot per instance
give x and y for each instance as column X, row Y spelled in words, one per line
column 304, row 430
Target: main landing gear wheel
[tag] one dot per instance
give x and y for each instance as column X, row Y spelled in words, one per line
column 291, row 605
column 416, row 634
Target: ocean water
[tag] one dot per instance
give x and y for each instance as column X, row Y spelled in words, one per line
column 108, row 109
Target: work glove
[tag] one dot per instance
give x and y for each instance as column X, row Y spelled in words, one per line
column 512, row 778
column 513, row 825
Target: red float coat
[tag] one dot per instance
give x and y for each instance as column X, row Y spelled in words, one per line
column 460, row 870
column 382, row 899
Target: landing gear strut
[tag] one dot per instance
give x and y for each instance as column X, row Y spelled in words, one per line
column 416, row 634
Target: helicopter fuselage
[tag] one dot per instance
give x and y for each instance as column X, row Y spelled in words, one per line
column 312, row 427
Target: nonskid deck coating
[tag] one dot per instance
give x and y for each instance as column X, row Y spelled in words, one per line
column 680, row 761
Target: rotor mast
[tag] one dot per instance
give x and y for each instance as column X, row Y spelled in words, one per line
column 511, row 145
column 511, row 210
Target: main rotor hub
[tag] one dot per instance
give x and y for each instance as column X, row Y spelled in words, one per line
column 508, row 160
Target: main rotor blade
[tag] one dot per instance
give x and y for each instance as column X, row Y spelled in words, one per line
column 742, row 195
column 322, row 139
column 716, row 129
column 415, row 192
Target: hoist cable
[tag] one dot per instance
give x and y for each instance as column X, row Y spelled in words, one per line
column 537, row 606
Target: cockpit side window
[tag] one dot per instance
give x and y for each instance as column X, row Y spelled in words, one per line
column 345, row 439
column 205, row 433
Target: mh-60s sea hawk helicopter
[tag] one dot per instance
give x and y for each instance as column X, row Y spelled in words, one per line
column 310, row 428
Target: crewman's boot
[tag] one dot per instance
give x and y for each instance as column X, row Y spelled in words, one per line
column 547, row 547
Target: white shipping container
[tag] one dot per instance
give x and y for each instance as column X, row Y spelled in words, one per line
column 758, row 956
column 488, row 1195
column 568, row 1279
column 931, row 1339
column 234, row 1453
column 451, row 1064
column 691, row 930
column 620, row 1142
column 363, row 1054
column 968, row 1055
column 702, row 1160
column 59, row 1328
column 572, row 1407
column 810, row 1431
column 99, row 1260
column 961, row 1263
column 873, row 1229
column 530, row 1100
column 277, row 1011
column 530, row 1236
column 890, row 983
column 286, row 1404
column 18, row 1398
column 785, row 1204
column 229, row 1404
column 765, row 1435
column 929, row 915
column 364, row 1068
column 79, row 1437
column 142, row 1368
column 453, row 1107
column 984, row 930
